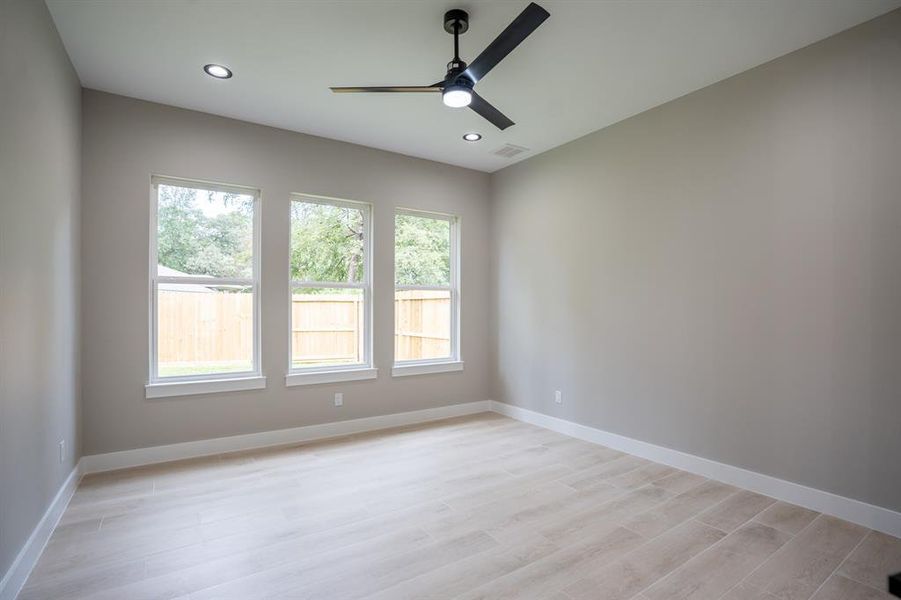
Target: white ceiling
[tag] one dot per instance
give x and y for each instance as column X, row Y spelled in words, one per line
column 591, row 64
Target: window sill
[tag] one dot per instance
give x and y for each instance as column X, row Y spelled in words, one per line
column 427, row 368
column 208, row 386
column 315, row 377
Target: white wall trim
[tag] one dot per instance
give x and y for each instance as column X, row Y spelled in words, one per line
column 14, row 579
column 855, row 511
column 868, row 515
column 158, row 454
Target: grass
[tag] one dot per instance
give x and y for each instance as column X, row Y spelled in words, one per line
column 205, row 368
column 298, row 364
column 217, row 368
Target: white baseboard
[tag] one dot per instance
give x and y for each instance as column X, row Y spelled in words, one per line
column 159, row 454
column 867, row 515
column 18, row 573
column 28, row 556
column 855, row 511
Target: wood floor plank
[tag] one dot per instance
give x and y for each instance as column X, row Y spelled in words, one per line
column 472, row 507
column 798, row 569
column 679, row 509
column 641, row 476
column 680, row 482
column 717, row 570
column 841, row 588
column 268, row 548
column 264, row 572
column 455, row 579
column 602, row 473
column 549, row 575
column 787, row 517
column 735, row 510
column 743, row 592
column 646, row 564
column 878, row 556
column 570, row 528
column 378, row 573
column 467, row 499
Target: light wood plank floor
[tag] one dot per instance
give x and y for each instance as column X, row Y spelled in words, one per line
column 476, row 507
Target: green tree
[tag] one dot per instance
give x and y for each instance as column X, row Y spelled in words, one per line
column 192, row 242
column 326, row 240
column 421, row 251
column 326, row 243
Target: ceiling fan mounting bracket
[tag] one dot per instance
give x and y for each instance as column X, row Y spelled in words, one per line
column 456, row 21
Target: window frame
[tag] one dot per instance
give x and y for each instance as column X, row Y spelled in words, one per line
column 454, row 361
column 334, row 373
column 207, row 382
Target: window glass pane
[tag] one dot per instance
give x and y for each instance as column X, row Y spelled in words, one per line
column 204, row 330
column 326, row 243
column 421, row 250
column 204, row 233
column 326, row 327
column 422, row 324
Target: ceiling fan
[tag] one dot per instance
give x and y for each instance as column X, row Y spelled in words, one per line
column 457, row 86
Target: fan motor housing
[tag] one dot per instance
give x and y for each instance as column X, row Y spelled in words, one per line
column 456, row 21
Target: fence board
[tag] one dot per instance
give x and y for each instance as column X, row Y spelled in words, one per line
column 217, row 327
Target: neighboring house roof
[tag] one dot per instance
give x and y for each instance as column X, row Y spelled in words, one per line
column 180, row 287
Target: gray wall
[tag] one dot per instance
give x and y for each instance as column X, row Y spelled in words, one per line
column 125, row 141
column 40, row 137
column 722, row 274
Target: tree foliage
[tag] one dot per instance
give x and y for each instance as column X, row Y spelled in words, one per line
column 421, row 250
column 192, row 242
column 326, row 240
column 326, row 243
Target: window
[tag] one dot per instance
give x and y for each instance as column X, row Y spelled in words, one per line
column 426, row 293
column 330, row 291
column 204, row 287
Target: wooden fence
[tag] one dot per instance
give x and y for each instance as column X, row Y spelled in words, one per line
column 218, row 327
column 326, row 328
column 421, row 324
column 210, row 327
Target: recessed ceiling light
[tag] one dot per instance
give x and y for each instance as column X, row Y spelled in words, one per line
column 217, row 71
column 472, row 137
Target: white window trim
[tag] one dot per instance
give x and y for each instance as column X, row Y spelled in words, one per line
column 209, row 386
column 317, row 374
column 330, row 376
column 454, row 362
column 407, row 368
column 158, row 387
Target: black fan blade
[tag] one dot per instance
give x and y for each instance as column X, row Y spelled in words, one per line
column 387, row 89
column 486, row 110
column 511, row 37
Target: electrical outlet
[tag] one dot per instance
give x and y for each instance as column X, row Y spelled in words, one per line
column 558, row 397
column 339, row 399
column 62, row 451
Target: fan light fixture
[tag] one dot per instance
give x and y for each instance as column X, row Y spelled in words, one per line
column 472, row 137
column 217, row 71
column 456, row 88
column 457, row 96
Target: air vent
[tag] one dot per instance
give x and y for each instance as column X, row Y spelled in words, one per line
column 510, row 150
